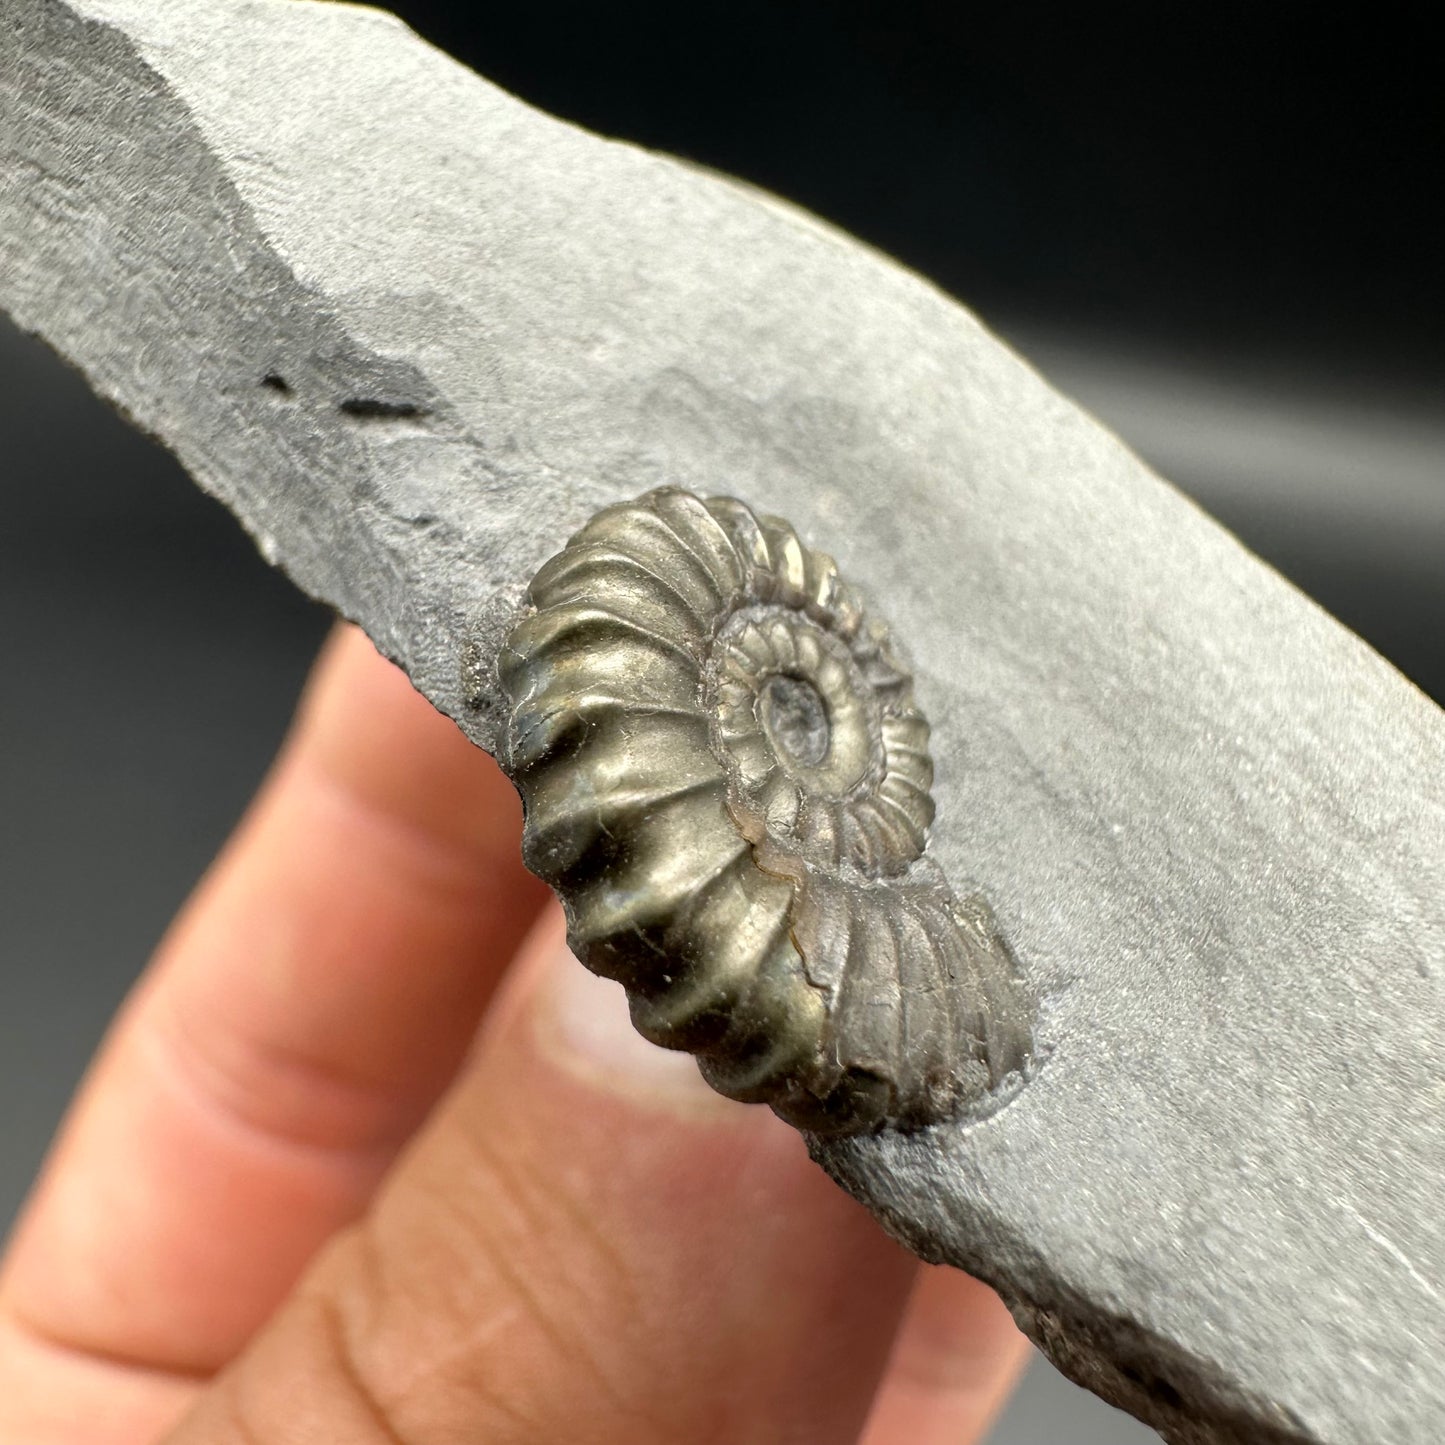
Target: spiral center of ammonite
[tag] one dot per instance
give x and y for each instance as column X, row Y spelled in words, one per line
column 796, row 718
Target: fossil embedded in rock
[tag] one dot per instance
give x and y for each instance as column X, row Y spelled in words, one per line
column 727, row 780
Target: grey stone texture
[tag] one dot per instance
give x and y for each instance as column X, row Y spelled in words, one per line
column 414, row 333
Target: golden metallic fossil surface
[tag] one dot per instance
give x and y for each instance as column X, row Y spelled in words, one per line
column 727, row 781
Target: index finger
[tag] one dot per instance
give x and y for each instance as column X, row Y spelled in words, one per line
column 312, row 1001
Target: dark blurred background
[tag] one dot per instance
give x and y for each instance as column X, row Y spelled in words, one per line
column 1213, row 225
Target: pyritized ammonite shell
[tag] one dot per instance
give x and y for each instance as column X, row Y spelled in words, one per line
column 727, row 780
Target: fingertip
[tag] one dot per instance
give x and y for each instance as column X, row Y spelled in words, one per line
column 956, row 1360
column 581, row 1025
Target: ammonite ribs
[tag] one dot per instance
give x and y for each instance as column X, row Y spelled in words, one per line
column 727, row 779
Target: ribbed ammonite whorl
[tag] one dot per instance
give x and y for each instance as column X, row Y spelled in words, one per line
column 727, row 780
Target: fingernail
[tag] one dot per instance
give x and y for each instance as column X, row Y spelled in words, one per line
column 583, row 1023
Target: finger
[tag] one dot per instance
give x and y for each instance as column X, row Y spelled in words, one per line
column 53, row 1396
column 583, row 1245
column 311, row 1002
column 956, row 1359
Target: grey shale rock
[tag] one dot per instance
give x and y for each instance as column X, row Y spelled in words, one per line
column 414, row 333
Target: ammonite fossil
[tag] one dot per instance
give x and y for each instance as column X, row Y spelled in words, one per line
column 727, row 781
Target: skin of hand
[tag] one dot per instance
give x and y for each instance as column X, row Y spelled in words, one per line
column 367, row 1156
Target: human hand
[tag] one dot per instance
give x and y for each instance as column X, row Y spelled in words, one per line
column 367, row 1157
